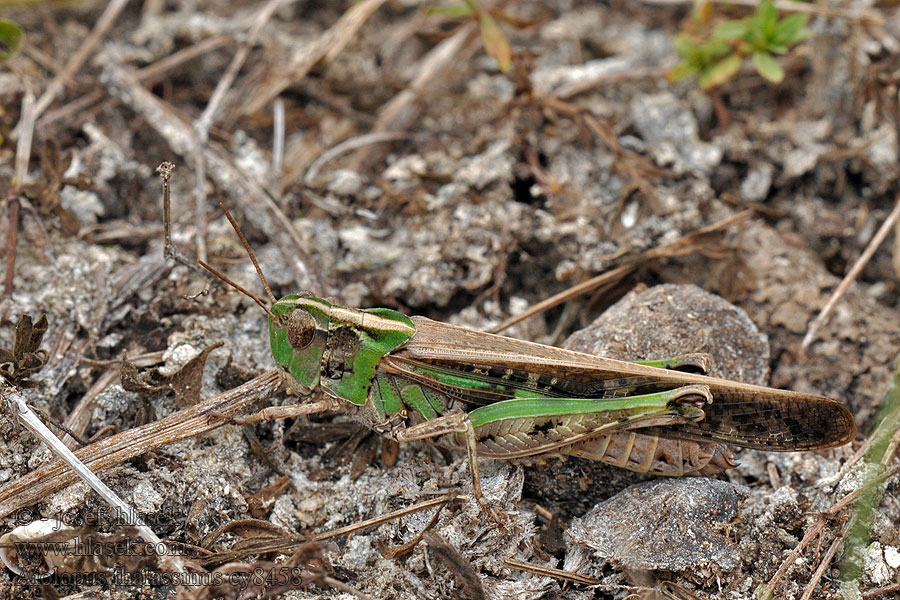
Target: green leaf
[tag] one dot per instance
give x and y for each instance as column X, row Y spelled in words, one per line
column 791, row 30
column 455, row 12
column 495, row 42
column 684, row 46
column 11, row 39
column 716, row 48
column 720, row 72
column 731, row 30
column 681, row 71
column 768, row 67
column 766, row 18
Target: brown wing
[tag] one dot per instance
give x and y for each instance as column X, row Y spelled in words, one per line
column 740, row 414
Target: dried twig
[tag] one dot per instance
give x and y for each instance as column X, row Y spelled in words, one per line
column 588, row 84
column 30, row 421
column 23, row 155
column 552, row 572
column 278, row 134
column 329, row 44
column 811, row 533
column 106, row 20
column 205, row 120
column 348, row 145
column 440, row 501
column 169, row 250
column 284, row 544
column 109, row 452
column 25, row 135
column 401, row 111
column 825, row 562
column 80, row 417
column 684, row 245
column 851, row 276
column 888, row 589
column 224, row 172
column 147, row 75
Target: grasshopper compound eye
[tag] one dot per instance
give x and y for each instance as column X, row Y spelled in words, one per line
column 301, row 329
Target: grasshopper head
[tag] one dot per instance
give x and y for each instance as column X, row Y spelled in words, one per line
column 298, row 332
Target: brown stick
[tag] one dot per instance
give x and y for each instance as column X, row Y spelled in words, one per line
column 851, row 276
column 326, row 47
column 679, row 247
column 56, row 86
column 180, row 136
column 401, row 112
column 826, row 560
column 189, row 422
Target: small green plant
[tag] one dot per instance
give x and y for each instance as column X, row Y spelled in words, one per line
column 494, row 40
column 761, row 37
column 11, row 39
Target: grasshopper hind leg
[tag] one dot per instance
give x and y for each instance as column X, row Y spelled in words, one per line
column 694, row 362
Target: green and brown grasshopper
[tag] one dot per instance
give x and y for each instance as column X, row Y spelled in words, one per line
column 411, row 378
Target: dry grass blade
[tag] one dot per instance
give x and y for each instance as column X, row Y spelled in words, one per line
column 461, row 568
column 401, row 111
column 691, row 242
column 851, row 276
column 30, row 421
column 11, row 237
column 180, row 136
column 106, row 20
column 189, row 422
column 328, row 45
column 550, row 572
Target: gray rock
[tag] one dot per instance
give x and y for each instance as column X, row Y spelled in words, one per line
column 671, row 524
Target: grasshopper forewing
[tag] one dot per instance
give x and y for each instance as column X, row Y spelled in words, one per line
column 411, row 378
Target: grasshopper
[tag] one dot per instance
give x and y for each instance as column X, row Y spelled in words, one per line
column 412, row 378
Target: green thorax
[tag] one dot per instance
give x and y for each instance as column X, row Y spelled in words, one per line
column 317, row 343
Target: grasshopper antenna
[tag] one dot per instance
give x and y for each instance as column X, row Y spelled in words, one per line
column 249, row 250
column 239, row 288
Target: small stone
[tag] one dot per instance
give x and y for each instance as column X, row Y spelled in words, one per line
column 345, row 182
column 671, row 131
column 674, row 319
column 875, row 566
column 758, row 182
column 671, row 524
